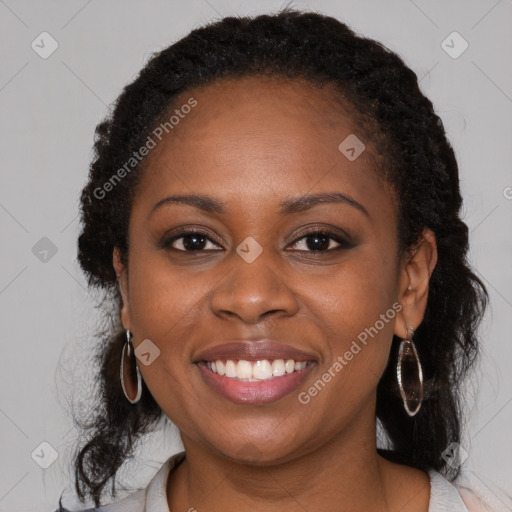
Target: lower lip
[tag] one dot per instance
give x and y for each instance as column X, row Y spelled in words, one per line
column 255, row 393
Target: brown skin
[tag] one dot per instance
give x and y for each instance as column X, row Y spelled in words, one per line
column 253, row 143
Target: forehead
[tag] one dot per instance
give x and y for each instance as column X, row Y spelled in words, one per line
column 261, row 138
column 268, row 107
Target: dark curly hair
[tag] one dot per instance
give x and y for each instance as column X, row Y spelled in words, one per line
column 405, row 132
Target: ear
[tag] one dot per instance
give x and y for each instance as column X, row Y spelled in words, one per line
column 122, row 280
column 414, row 282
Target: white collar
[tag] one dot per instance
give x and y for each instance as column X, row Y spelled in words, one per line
column 444, row 496
column 156, row 491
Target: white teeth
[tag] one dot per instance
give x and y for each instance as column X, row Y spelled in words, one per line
column 262, row 370
column 244, row 370
column 253, row 371
column 278, row 368
column 230, row 368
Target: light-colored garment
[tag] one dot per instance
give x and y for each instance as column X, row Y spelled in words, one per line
column 444, row 496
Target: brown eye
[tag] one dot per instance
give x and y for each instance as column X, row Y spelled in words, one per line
column 189, row 241
column 322, row 241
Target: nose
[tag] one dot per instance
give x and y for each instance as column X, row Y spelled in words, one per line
column 251, row 291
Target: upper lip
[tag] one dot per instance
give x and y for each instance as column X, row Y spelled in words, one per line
column 253, row 350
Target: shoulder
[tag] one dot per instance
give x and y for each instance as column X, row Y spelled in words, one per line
column 466, row 494
column 134, row 503
column 479, row 494
column 152, row 497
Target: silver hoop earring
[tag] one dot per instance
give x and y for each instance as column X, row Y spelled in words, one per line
column 408, row 362
column 126, row 371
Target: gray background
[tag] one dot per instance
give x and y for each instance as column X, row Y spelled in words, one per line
column 50, row 108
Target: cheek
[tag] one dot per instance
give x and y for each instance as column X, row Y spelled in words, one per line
column 354, row 295
column 358, row 336
column 356, row 309
column 164, row 301
column 165, row 308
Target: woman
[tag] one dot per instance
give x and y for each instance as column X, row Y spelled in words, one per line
column 273, row 208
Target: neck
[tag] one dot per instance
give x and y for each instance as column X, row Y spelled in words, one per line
column 341, row 475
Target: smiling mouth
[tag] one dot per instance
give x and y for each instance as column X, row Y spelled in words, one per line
column 257, row 382
column 254, row 371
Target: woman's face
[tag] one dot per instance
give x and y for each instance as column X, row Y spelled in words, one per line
column 252, row 146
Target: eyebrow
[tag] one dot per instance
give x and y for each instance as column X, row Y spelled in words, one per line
column 292, row 205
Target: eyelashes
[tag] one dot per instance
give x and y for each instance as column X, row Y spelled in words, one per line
column 196, row 241
column 200, row 238
column 322, row 235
